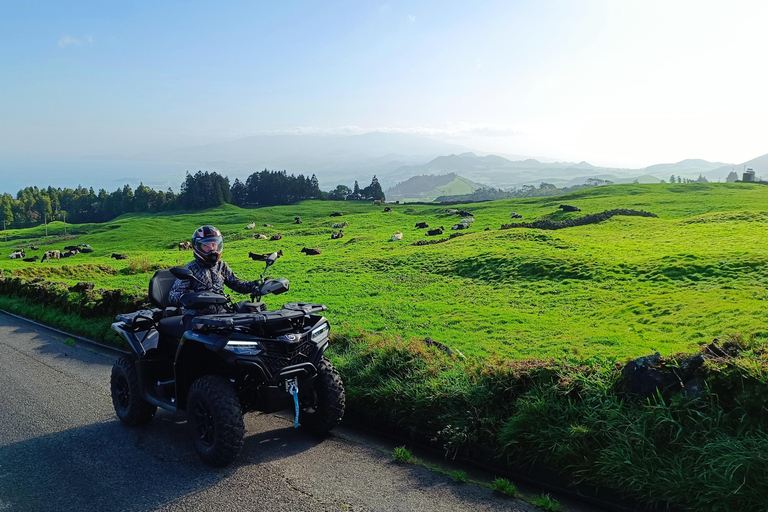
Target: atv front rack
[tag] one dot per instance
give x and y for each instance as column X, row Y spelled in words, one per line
column 288, row 312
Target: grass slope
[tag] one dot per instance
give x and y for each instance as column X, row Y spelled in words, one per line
column 622, row 288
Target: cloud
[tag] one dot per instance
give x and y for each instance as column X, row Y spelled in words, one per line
column 410, row 19
column 448, row 130
column 67, row 40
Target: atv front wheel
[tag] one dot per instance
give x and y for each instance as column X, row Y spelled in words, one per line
column 215, row 420
column 323, row 403
column 124, row 385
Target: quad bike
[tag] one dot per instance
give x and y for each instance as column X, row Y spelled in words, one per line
column 218, row 367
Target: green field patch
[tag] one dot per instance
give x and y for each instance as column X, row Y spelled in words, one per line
column 81, row 272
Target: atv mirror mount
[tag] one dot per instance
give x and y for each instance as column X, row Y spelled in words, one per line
column 271, row 259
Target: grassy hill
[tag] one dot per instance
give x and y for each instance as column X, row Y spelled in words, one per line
column 625, row 287
column 428, row 187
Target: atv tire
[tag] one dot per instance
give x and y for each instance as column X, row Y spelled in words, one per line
column 130, row 408
column 322, row 405
column 215, row 420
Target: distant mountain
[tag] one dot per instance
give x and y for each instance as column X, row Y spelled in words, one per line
column 427, row 188
column 395, row 157
column 335, row 159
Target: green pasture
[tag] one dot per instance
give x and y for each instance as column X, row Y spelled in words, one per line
column 622, row 288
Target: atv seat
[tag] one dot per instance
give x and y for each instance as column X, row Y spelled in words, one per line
column 172, row 327
column 160, row 288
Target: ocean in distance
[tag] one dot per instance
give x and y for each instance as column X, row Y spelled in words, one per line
column 17, row 173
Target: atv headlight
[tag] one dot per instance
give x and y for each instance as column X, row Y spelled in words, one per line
column 242, row 347
column 321, row 332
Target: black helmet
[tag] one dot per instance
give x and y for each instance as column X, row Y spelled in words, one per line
column 207, row 244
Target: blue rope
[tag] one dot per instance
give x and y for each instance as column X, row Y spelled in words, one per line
column 294, row 389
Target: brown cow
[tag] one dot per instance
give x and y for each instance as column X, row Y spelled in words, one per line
column 336, row 236
column 119, row 256
column 185, row 246
column 311, row 252
column 276, row 237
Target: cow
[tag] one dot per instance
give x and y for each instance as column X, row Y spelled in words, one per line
column 336, row 214
column 336, row 236
column 452, row 211
column 185, row 246
column 119, row 256
column 83, row 246
column 515, row 215
column 460, row 225
column 33, row 247
column 464, row 213
column 251, row 225
column 397, row 236
column 311, row 252
column 340, row 225
column 267, row 225
column 86, row 250
column 17, row 255
column 276, row 237
column 569, row 208
column 433, row 232
column 30, row 260
column 297, row 220
column 51, row 255
column 71, row 248
column 468, row 220
column 260, row 236
column 387, row 209
column 67, row 254
column 422, row 225
column 263, row 257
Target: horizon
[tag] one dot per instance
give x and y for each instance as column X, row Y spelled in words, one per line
column 616, row 84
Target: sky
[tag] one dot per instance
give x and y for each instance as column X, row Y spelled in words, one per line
column 615, row 83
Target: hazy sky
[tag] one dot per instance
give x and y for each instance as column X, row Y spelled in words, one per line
column 627, row 83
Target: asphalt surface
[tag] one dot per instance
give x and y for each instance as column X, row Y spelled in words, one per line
column 63, row 449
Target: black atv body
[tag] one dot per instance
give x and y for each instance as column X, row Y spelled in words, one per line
column 218, row 367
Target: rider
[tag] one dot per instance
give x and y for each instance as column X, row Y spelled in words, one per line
column 208, row 267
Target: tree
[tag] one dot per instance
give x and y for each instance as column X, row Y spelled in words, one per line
column 732, row 177
column 356, row 189
column 340, row 193
column 373, row 191
column 672, row 179
column 702, row 179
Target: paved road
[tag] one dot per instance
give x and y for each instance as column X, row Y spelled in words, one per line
column 62, row 449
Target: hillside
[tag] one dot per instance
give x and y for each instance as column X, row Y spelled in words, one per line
column 627, row 286
column 427, row 188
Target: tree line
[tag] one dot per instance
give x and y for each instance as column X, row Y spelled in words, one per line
column 33, row 206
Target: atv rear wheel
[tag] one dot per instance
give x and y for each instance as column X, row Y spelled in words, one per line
column 215, row 420
column 124, row 385
column 322, row 405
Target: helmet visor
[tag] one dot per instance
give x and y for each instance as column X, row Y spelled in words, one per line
column 209, row 245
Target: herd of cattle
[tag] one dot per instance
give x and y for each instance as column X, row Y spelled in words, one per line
column 53, row 254
column 465, row 223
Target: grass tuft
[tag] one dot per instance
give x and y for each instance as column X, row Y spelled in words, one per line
column 505, row 487
column 402, row 455
column 545, row 502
